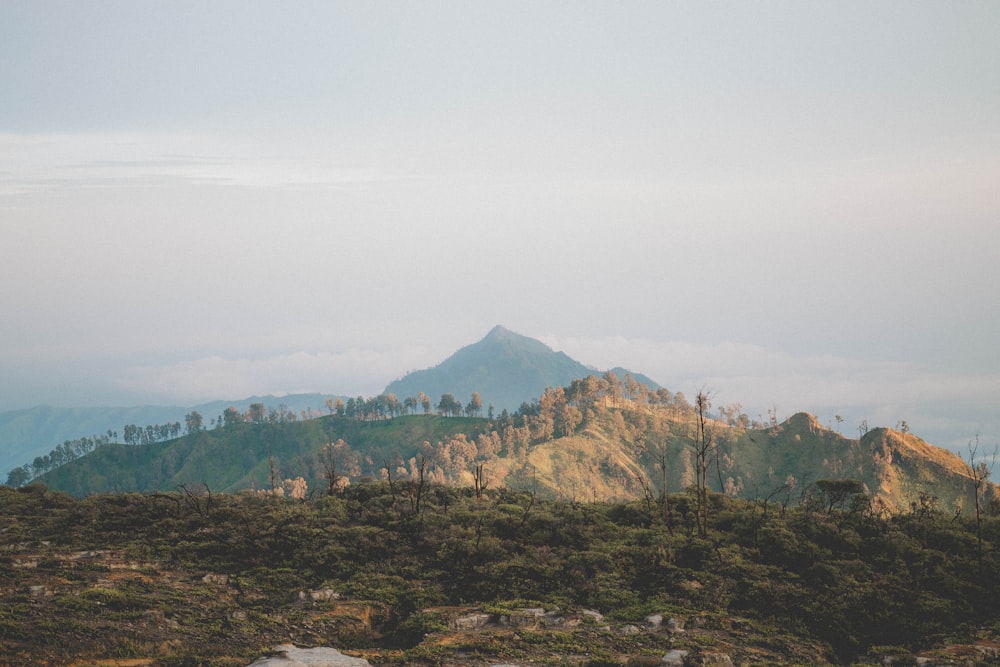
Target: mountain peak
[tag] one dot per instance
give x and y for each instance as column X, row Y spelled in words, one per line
column 511, row 343
column 505, row 368
column 499, row 331
column 501, row 334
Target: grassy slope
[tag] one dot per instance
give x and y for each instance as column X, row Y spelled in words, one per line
column 238, row 458
column 612, row 457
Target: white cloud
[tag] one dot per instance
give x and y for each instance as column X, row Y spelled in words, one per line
column 945, row 408
column 33, row 163
column 352, row 371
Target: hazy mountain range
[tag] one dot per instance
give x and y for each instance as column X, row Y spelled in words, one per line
column 506, row 369
column 581, row 435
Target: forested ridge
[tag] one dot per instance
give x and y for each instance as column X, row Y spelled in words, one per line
column 599, row 438
column 382, row 569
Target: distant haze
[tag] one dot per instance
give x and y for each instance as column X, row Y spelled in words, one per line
column 793, row 205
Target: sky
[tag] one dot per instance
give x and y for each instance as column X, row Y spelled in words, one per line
column 791, row 205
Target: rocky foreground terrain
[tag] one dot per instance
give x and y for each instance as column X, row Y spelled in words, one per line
column 396, row 575
column 105, row 608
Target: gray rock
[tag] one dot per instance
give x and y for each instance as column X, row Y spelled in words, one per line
column 470, row 621
column 523, row 618
column 553, row 618
column 654, row 620
column 674, row 658
column 675, row 625
column 629, row 630
column 988, row 649
column 322, row 595
column 590, row 614
column 288, row 655
column 716, row 660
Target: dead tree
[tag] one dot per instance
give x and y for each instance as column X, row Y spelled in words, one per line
column 703, row 448
column 980, row 473
column 480, row 481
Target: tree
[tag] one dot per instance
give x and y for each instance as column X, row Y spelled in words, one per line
column 256, row 413
column 703, row 446
column 231, row 417
column 835, row 493
column 192, row 422
column 274, row 477
column 660, row 458
column 19, row 476
column 614, row 388
column 425, row 402
column 410, row 405
column 980, row 473
column 338, row 461
column 392, row 405
column 479, row 479
column 475, row 406
column 449, row 406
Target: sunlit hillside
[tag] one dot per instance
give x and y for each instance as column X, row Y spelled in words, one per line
column 572, row 444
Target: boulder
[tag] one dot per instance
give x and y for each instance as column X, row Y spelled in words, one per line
column 322, row 595
column 674, row 658
column 470, row 621
column 553, row 618
column 288, row 655
column 716, row 660
column 675, row 625
column 654, row 620
column 523, row 618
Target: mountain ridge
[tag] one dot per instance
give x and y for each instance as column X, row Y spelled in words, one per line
column 620, row 450
column 582, row 435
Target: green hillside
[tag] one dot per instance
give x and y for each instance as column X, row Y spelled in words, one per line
column 241, row 456
column 25, row 434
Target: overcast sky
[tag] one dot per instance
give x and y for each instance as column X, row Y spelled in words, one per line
column 794, row 205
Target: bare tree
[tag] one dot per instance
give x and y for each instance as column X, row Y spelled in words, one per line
column 479, row 479
column 703, row 446
column 659, row 455
column 421, row 483
column 980, row 473
column 274, row 475
column 337, row 459
column 387, row 467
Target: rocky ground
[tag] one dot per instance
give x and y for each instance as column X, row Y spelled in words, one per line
column 111, row 608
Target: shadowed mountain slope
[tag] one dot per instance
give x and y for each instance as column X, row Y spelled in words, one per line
column 505, row 368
